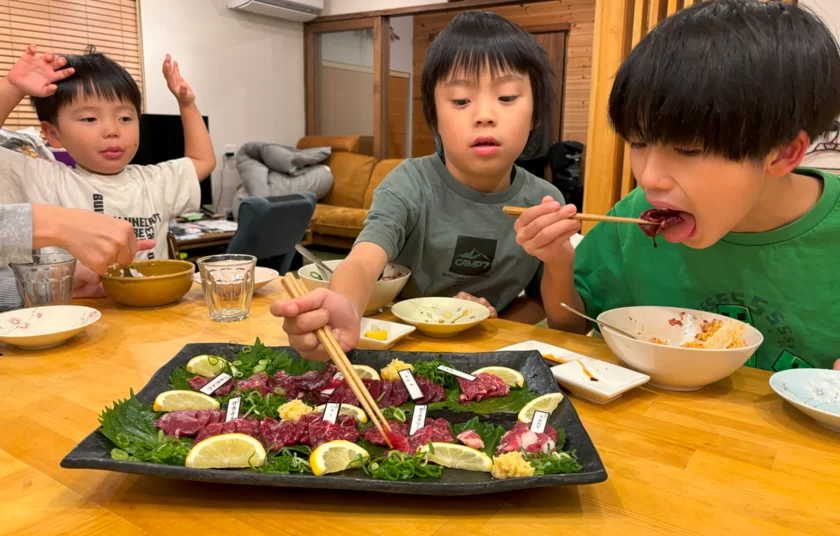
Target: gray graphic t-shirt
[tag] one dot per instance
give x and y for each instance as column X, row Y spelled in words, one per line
column 454, row 238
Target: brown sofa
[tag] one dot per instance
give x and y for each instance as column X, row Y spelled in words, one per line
column 340, row 216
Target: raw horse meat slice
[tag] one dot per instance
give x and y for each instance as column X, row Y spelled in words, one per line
column 393, row 393
column 322, row 431
column 485, row 385
column 344, row 395
column 471, row 439
column 307, row 387
column 660, row 219
column 435, row 431
column 187, row 422
column 236, row 426
column 373, row 435
column 432, row 392
column 520, row 437
column 262, row 381
column 200, row 381
column 280, row 434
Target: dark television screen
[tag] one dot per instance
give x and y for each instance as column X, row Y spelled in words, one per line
column 162, row 139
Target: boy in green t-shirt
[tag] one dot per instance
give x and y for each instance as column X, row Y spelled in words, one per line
column 720, row 103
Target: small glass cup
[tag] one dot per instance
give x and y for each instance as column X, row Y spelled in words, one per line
column 47, row 280
column 228, row 283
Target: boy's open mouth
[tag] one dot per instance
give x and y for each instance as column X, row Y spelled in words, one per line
column 485, row 145
column 676, row 226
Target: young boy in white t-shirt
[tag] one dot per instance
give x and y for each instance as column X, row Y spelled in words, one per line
column 90, row 106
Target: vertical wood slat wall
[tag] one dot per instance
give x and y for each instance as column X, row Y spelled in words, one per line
column 619, row 26
column 67, row 27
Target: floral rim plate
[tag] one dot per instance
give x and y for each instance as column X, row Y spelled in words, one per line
column 816, row 392
column 45, row 327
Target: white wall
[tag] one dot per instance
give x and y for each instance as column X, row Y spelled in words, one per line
column 246, row 70
column 340, row 7
column 829, row 12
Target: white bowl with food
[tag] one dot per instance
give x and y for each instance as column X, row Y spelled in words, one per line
column 680, row 349
column 375, row 334
column 441, row 317
column 393, row 280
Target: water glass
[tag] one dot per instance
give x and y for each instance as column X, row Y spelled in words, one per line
column 47, row 280
column 228, row 283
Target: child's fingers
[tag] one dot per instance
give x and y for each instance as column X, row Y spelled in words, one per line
column 559, row 231
column 62, row 74
column 31, row 50
column 837, row 365
column 308, row 322
column 533, row 213
column 309, row 302
column 528, row 232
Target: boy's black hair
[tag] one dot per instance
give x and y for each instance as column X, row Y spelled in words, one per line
column 476, row 40
column 96, row 76
column 738, row 78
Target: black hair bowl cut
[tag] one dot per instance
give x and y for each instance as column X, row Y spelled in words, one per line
column 737, row 78
column 478, row 40
column 96, row 76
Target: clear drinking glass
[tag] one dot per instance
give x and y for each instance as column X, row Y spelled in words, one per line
column 228, row 283
column 47, row 280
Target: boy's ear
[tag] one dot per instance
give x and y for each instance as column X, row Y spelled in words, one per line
column 787, row 157
column 51, row 133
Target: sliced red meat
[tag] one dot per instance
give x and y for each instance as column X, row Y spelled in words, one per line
column 322, row 431
column 471, row 439
column 236, row 426
column 660, row 220
column 421, row 437
column 187, row 423
column 435, row 431
column 373, row 435
column 485, row 385
column 432, row 392
column 344, row 395
column 276, row 435
column 393, row 393
column 307, row 387
column 198, row 382
column 520, row 437
column 262, row 382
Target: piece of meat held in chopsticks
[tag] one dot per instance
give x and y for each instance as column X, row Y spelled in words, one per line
column 660, row 219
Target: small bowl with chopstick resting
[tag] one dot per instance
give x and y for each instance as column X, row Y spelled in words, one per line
column 386, row 290
column 680, row 349
column 441, row 317
column 149, row 283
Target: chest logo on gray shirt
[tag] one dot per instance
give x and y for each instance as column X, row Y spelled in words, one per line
column 473, row 255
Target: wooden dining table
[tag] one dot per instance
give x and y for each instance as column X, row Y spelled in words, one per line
column 732, row 458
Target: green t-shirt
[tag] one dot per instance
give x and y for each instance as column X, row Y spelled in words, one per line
column 781, row 281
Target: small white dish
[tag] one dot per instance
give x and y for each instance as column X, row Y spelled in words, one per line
column 38, row 328
column 612, row 380
column 440, row 317
column 395, row 333
column 262, row 276
column 814, row 392
column 544, row 349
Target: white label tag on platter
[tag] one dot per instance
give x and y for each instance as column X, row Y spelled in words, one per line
column 338, row 376
column 418, row 419
column 458, row 373
column 331, row 412
column 214, row 385
column 233, row 409
column 539, row 421
column 411, row 384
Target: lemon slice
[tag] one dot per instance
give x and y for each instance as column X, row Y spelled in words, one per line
column 226, row 451
column 547, row 403
column 458, row 457
column 347, row 409
column 335, row 456
column 365, row 371
column 511, row 377
column 175, row 400
column 208, row 366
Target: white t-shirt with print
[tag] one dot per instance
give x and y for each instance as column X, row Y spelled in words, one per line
column 146, row 196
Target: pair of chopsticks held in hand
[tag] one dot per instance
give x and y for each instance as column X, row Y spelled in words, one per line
column 517, row 211
column 330, row 344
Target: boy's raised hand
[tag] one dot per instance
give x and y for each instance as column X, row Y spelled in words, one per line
column 36, row 75
column 182, row 91
column 543, row 231
column 480, row 301
column 319, row 308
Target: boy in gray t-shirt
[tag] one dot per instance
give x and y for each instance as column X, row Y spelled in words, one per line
column 486, row 84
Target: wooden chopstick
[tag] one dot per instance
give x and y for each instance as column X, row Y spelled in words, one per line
column 517, row 211
column 330, row 343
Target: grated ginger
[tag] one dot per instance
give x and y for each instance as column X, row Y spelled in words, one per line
column 510, row 465
column 294, row 410
column 391, row 372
